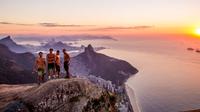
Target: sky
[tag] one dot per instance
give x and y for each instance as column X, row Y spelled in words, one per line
column 113, row 17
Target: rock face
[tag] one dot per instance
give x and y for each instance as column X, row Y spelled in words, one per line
column 91, row 62
column 198, row 110
column 15, row 67
column 12, row 45
column 64, row 95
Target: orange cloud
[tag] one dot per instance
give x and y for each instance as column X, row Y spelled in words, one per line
column 10, row 23
column 62, row 25
column 122, row 28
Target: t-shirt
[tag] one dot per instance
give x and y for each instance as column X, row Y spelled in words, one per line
column 51, row 58
column 40, row 63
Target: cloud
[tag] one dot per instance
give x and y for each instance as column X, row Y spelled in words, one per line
column 10, row 23
column 142, row 27
column 45, row 24
column 62, row 25
column 5, row 23
column 123, row 28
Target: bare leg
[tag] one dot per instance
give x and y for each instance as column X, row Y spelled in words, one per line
column 66, row 66
column 58, row 74
column 43, row 78
column 50, row 74
column 39, row 80
column 67, row 72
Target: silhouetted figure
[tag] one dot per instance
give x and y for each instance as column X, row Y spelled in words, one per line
column 51, row 63
column 66, row 63
column 40, row 65
column 58, row 63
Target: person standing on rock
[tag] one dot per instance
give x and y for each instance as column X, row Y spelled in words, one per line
column 58, row 63
column 40, row 66
column 51, row 63
column 66, row 63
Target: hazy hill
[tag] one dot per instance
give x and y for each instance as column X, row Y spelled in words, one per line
column 58, row 45
column 45, row 46
column 15, row 67
column 12, row 45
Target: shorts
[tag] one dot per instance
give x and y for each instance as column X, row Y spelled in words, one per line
column 57, row 68
column 51, row 66
column 66, row 65
column 40, row 71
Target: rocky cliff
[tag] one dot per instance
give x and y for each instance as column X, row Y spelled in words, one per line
column 62, row 95
column 100, row 65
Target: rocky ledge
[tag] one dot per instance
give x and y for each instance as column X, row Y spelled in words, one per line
column 60, row 95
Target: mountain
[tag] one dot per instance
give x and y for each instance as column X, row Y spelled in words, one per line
column 61, row 95
column 12, row 45
column 15, row 67
column 108, row 68
column 58, row 46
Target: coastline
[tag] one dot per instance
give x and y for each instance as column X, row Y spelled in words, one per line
column 132, row 99
column 128, row 91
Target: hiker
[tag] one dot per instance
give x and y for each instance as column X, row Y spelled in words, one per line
column 66, row 63
column 40, row 65
column 58, row 63
column 51, row 64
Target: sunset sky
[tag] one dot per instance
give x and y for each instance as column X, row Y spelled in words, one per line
column 114, row 17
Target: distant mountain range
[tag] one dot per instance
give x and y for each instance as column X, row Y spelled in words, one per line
column 16, row 67
column 12, row 45
column 64, row 37
column 56, row 45
column 108, row 68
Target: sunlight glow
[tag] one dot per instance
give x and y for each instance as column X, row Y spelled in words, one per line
column 198, row 31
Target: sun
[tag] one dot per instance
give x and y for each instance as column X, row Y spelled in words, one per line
column 198, row 31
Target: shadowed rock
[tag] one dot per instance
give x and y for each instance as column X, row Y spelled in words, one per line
column 15, row 68
column 64, row 95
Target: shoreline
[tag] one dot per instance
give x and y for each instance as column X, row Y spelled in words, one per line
column 132, row 98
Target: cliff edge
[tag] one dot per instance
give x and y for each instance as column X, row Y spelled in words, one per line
column 60, row 95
